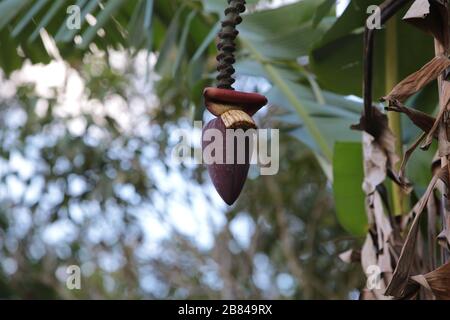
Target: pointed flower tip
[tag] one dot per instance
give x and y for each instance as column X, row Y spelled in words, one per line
column 227, row 178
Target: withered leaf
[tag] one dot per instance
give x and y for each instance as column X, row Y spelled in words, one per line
column 398, row 285
column 444, row 144
column 444, row 237
column 420, row 119
column 432, row 214
column 419, row 79
column 437, row 281
column 379, row 151
column 444, row 134
column 431, row 17
column 400, row 180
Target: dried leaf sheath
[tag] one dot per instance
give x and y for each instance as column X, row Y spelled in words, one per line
column 413, row 84
column 382, row 145
column 383, row 137
column 398, row 284
column 418, row 80
column 437, row 281
column 432, row 16
column 429, row 16
column 422, row 120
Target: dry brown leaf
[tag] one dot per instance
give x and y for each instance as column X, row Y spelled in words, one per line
column 400, row 180
column 437, row 281
column 444, row 237
column 420, row 119
column 423, row 121
column 430, row 16
column 440, row 122
column 418, row 80
column 412, row 291
column 444, row 134
column 398, row 285
column 432, row 214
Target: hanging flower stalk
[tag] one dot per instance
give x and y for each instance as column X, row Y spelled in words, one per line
column 229, row 164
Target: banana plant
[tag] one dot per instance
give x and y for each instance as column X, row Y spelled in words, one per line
column 313, row 64
column 411, row 262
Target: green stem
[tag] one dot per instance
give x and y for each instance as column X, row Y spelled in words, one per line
column 398, row 198
column 277, row 80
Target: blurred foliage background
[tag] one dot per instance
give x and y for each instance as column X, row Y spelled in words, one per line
column 87, row 131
